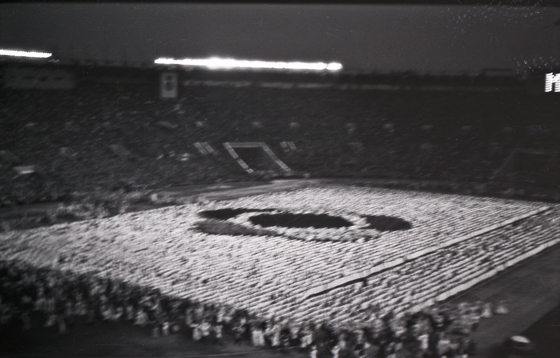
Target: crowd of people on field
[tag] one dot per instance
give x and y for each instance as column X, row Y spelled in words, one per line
column 32, row 298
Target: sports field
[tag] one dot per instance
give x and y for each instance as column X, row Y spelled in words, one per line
column 392, row 250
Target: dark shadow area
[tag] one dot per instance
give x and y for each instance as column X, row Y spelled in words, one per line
column 225, row 214
column 300, row 220
column 387, row 223
column 545, row 333
column 216, row 227
column 544, row 336
column 537, row 167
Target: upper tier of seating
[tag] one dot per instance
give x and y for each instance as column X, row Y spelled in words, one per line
column 66, row 134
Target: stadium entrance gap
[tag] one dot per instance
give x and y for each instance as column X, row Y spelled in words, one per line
column 254, row 156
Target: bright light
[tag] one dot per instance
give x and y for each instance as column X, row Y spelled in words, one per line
column 215, row 63
column 16, row 53
column 334, row 66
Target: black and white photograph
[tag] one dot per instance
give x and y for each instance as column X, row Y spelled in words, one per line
column 316, row 179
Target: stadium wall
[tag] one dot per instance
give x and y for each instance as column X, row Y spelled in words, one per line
column 38, row 78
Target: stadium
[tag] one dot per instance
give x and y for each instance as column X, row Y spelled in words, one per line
column 304, row 211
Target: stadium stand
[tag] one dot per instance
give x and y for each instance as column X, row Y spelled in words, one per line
column 100, row 137
column 451, row 136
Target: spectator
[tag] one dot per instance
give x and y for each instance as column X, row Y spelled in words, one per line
column 257, row 334
column 240, row 330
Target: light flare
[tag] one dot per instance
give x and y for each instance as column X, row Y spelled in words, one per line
column 216, row 63
column 19, row 53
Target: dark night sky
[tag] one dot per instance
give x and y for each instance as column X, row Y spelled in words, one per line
column 361, row 37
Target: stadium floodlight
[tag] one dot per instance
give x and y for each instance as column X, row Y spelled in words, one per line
column 30, row 54
column 216, row 63
column 334, row 66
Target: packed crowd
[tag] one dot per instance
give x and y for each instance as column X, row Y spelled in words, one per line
column 420, row 283
column 69, row 141
column 272, row 275
column 31, row 298
column 266, row 276
column 435, row 218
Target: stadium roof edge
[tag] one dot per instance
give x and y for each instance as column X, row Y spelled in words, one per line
column 541, row 3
